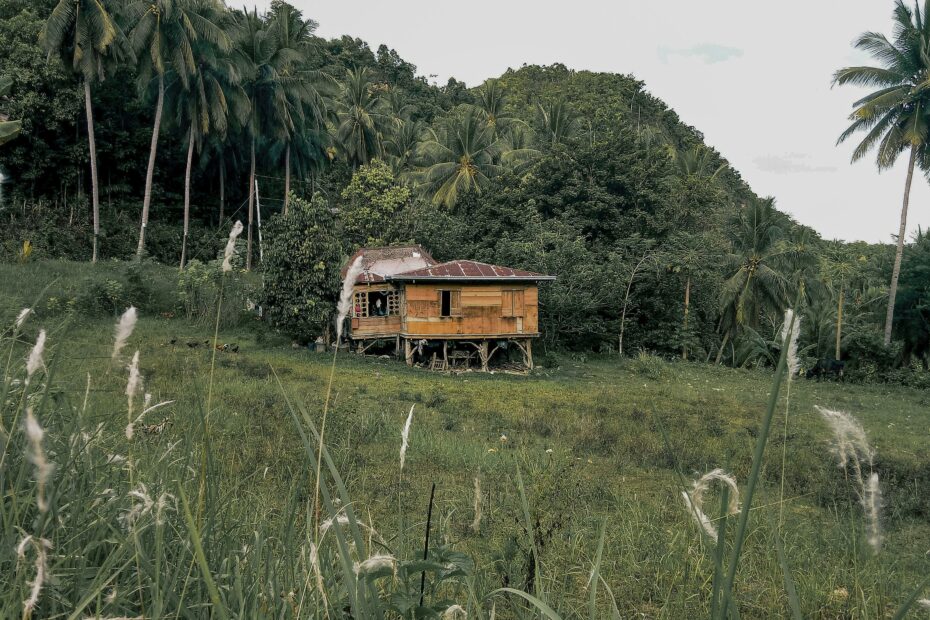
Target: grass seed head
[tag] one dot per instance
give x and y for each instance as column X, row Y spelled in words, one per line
column 789, row 337
column 694, row 499
column 124, row 327
column 230, row 250
column 454, row 612
column 872, row 505
column 345, row 298
column 404, row 438
column 34, row 362
column 376, row 563
column 133, row 383
column 849, row 439
column 21, row 317
column 35, row 434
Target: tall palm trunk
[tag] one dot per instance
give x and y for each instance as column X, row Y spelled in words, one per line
column 839, row 325
column 287, row 176
column 92, row 144
column 187, row 195
column 248, row 248
column 150, row 172
column 899, row 253
column 222, row 191
column 684, row 345
column 726, row 338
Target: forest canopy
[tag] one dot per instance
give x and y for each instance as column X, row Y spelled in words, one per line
column 657, row 241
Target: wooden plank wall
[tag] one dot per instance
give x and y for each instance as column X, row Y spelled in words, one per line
column 481, row 311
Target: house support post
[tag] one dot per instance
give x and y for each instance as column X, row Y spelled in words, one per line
column 397, row 346
column 529, row 354
column 483, row 354
column 408, row 352
column 445, row 354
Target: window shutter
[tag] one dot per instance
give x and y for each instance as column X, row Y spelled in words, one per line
column 506, row 303
column 518, row 303
column 455, row 303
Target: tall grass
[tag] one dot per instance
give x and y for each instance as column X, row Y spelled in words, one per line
column 96, row 521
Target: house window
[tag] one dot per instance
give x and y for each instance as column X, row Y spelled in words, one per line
column 376, row 304
column 512, row 303
column 450, row 303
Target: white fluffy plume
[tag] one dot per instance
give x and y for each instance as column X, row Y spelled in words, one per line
column 872, row 506
column 376, row 563
column 404, row 437
column 124, row 327
column 34, row 362
column 694, row 499
column 35, row 434
column 22, row 316
column 231, row 246
column 793, row 325
column 849, row 440
column 134, row 382
column 345, row 298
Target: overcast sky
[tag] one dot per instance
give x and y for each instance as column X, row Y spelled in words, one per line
column 753, row 76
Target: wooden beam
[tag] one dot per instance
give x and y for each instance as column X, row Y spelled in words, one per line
column 483, row 354
column 408, row 352
column 529, row 354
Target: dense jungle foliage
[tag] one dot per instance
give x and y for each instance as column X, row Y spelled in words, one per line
column 656, row 240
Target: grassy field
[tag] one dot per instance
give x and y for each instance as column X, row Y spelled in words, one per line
column 594, row 439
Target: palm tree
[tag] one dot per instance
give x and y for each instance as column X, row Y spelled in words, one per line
column 88, row 39
column 204, row 108
column 698, row 161
column 360, row 118
column 461, row 157
column 265, row 62
column 837, row 270
column 895, row 115
column 756, row 283
column 8, row 129
column 302, row 90
column 491, row 101
column 557, row 122
column 163, row 36
column 402, row 145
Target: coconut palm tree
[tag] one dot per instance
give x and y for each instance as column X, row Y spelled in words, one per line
column 698, row 161
column 894, row 116
column 461, row 157
column 163, row 36
column 402, row 143
column 265, row 61
column 755, row 283
column 303, row 90
column 204, row 107
column 361, row 118
column 838, row 268
column 90, row 42
column 557, row 122
column 8, row 129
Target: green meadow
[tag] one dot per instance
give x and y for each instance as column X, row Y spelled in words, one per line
column 599, row 443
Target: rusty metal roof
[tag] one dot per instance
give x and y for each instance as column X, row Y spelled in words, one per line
column 469, row 270
column 378, row 264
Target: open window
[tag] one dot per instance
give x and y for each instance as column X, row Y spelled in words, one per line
column 512, row 303
column 376, row 304
column 450, row 303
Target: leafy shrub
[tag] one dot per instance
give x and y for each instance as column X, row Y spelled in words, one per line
column 199, row 287
column 648, row 365
column 99, row 296
column 303, row 256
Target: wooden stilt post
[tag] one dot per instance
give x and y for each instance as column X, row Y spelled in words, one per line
column 445, row 354
column 483, row 354
column 529, row 354
column 408, row 352
column 397, row 346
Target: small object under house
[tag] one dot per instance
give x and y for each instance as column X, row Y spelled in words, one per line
column 443, row 315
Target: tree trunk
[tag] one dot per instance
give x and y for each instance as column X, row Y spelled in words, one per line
column 726, row 337
column 902, row 231
column 187, row 195
column 150, row 173
column 684, row 345
column 839, row 325
column 248, row 247
column 92, row 144
column 287, row 176
column 222, row 191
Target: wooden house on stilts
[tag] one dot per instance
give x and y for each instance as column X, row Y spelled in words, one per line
column 445, row 314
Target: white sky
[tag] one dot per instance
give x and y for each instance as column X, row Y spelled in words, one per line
column 753, row 76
